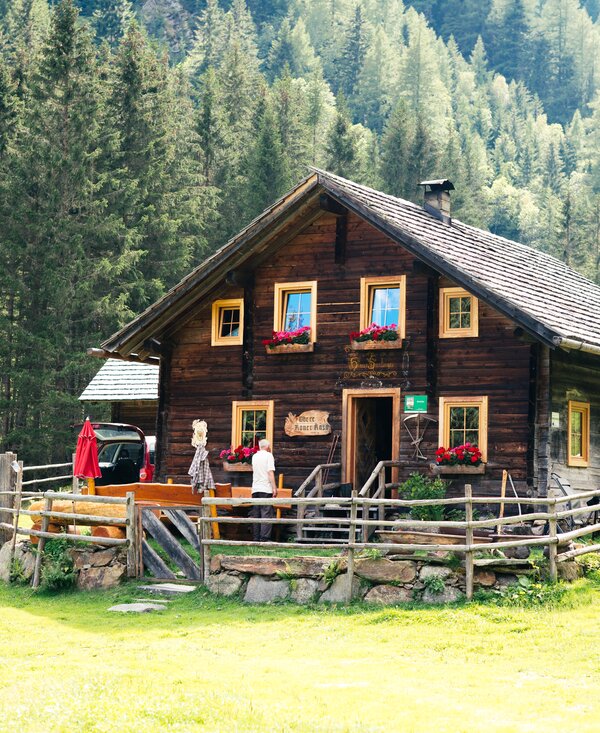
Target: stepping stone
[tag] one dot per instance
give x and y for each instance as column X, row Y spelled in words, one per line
column 138, row 607
column 152, row 600
column 168, row 589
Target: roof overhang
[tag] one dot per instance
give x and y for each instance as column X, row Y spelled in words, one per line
column 444, row 266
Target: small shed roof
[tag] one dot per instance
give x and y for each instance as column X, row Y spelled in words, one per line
column 551, row 301
column 119, row 381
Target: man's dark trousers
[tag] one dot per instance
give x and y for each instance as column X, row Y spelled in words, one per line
column 262, row 532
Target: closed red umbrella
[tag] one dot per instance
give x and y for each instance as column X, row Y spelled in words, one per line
column 86, row 455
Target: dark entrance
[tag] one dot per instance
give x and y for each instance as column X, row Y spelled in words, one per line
column 373, row 428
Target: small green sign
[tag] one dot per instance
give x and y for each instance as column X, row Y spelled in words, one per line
column 415, row 403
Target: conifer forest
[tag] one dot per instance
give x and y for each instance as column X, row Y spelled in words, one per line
column 137, row 137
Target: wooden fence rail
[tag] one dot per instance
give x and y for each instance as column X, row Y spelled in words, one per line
column 358, row 509
column 128, row 521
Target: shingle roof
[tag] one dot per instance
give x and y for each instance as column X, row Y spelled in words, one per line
column 537, row 291
column 526, row 281
column 119, row 381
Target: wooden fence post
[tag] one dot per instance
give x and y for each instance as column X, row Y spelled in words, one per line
column 351, row 541
column 130, row 534
column 380, row 495
column 17, row 507
column 319, row 482
column 6, row 485
column 42, row 543
column 205, row 549
column 553, row 544
column 469, row 568
column 75, row 480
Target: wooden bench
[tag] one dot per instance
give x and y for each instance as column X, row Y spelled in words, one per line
column 160, row 494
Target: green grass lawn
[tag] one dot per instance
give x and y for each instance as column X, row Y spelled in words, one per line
column 208, row 664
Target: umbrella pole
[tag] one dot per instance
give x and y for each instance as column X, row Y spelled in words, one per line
column 91, row 486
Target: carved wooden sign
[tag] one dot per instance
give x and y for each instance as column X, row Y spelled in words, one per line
column 312, row 422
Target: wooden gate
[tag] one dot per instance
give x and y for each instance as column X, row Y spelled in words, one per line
column 175, row 538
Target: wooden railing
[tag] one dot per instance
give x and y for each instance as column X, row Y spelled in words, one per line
column 78, row 518
column 358, row 518
column 313, row 486
column 378, row 473
column 14, row 489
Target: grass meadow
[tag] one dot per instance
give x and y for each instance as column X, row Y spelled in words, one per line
column 208, row 664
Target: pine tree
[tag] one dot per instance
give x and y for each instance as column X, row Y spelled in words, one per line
column 10, row 111
column 210, row 126
column 316, row 112
column 508, row 51
column 479, row 63
column 375, row 88
column 424, row 159
column 63, row 238
column 352, row 54
column 9, row 108
column 289, row 107
column 396, row 149
column 209, row 39
column 111, row 18
column 146, row 113
column 267, row 172
column 464, row 20
column 291, row 47
column 342, row 154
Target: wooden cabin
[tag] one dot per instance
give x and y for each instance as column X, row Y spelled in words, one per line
column 499, row 344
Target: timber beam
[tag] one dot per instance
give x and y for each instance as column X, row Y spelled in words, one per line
column 136, row 358
column 331, row 205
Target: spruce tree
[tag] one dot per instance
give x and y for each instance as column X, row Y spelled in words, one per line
column 146, row 114
column 341, row 150
column 352, row 54
column 209, row 39
column 396, row 148
column 266, row 166
column 111, row 18
column 64, row 240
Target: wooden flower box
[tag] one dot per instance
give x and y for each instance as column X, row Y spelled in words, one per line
column 375, row 345
column 236, row 466
column 456, row 470
column 290, row 348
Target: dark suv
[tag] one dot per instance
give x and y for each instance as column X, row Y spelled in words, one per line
column 125, row 454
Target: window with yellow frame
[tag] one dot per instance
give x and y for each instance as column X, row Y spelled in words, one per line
column 459, row 313
column 383, row 302
column 578, row 434
column 227, row 322
column 296, row 307
column 464, row 420
column 252, row 421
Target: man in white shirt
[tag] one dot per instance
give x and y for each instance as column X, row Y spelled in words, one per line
column 263, row 487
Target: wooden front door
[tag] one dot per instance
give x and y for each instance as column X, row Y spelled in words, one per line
column 371, row 425
column 365, row 454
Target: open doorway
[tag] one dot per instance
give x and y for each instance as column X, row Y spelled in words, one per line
column 371, row 419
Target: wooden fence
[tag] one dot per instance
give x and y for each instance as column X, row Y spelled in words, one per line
column 78, row 518
column 15, row 486
column 358, row 517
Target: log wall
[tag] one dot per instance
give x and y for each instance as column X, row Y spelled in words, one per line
column 137, row 412
column 201, row 381
column 574, row 376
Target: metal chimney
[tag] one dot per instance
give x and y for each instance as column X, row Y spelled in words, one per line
column 437, row 198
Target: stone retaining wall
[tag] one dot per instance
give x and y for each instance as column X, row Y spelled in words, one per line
column 384, row 581
column 96, row 568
